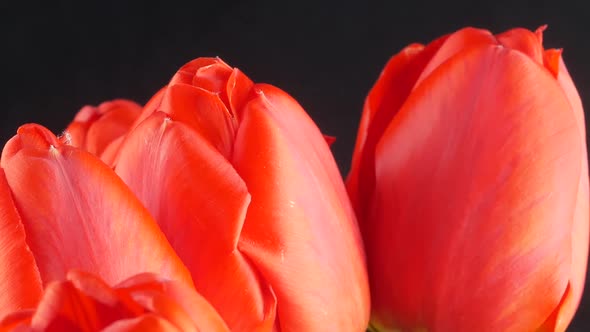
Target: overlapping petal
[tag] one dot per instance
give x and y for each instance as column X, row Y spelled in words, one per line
column 77, row 213
column 20, row 283
column 83, row 302
column 200, row 203
column 300, row 230
column 94, row 129
column 472, row 176
column 580, row 227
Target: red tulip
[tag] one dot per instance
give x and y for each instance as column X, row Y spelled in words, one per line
column 239, row 180
column 470, row 183
column 143, row 303
column 246, row 190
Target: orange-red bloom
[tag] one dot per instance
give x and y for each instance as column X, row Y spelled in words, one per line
column 216, row 182
column 470, row 182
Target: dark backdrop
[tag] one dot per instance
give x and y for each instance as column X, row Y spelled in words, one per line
column 58, row 56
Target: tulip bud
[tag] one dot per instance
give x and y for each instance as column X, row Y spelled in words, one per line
column 470, row 183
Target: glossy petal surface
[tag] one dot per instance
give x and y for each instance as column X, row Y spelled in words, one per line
column 404, row 71
column 78, row 214
column 580, row 227
column 300, row 229
column 472, row 225
column 200, row 203
column 380, row 107
column 451, row 45
column 20, row 283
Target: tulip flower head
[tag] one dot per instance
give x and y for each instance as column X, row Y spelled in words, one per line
column 470, row 183
column 218, row 183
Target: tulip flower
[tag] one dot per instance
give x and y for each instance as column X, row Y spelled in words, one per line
column 246, row 190
column 216, row 182
column 470, row 183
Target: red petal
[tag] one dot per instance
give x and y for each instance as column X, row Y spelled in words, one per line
column 20, row 283
column 525, row 41
column 200, row 203
column 117, row 118
column 84, row 303
column 551, row 61
column 78, row 214
column 207, row 73
column 75, row 134
column 453, row 44
column 381, row 105
column 300, row 230
column 151, row 106
column 203, row 111
column 111, row 152
column 239, row 89
column 401, row 75
column 467, row 226
column 175, row 302
column 580, row 228
column 96, row 127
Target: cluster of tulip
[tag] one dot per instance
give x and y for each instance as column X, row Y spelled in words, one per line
column 218, row 206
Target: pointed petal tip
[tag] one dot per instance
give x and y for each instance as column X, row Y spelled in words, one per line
column 30, row 136
column 540, row 30
column 36, row 136
column 551, row 59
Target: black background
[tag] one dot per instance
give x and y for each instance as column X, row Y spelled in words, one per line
column 58, row 56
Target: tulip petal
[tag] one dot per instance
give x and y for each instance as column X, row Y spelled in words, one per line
column 78, row 214
column 551, row 59
column 382, row 104
column 151, row 106
column 65, row 308
column 204, row 111
column 525, row 41
column 300, row 230
column 405, row 71
column 200, row 203
column 85, row 303
column 75, row 134
column 115, row 121
column 239, row 88
column 580, row 227
column 20, row 283
column 176, row 302
column 94, row 128
column 473, row 214
column 453, row 44
column 207, row 73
